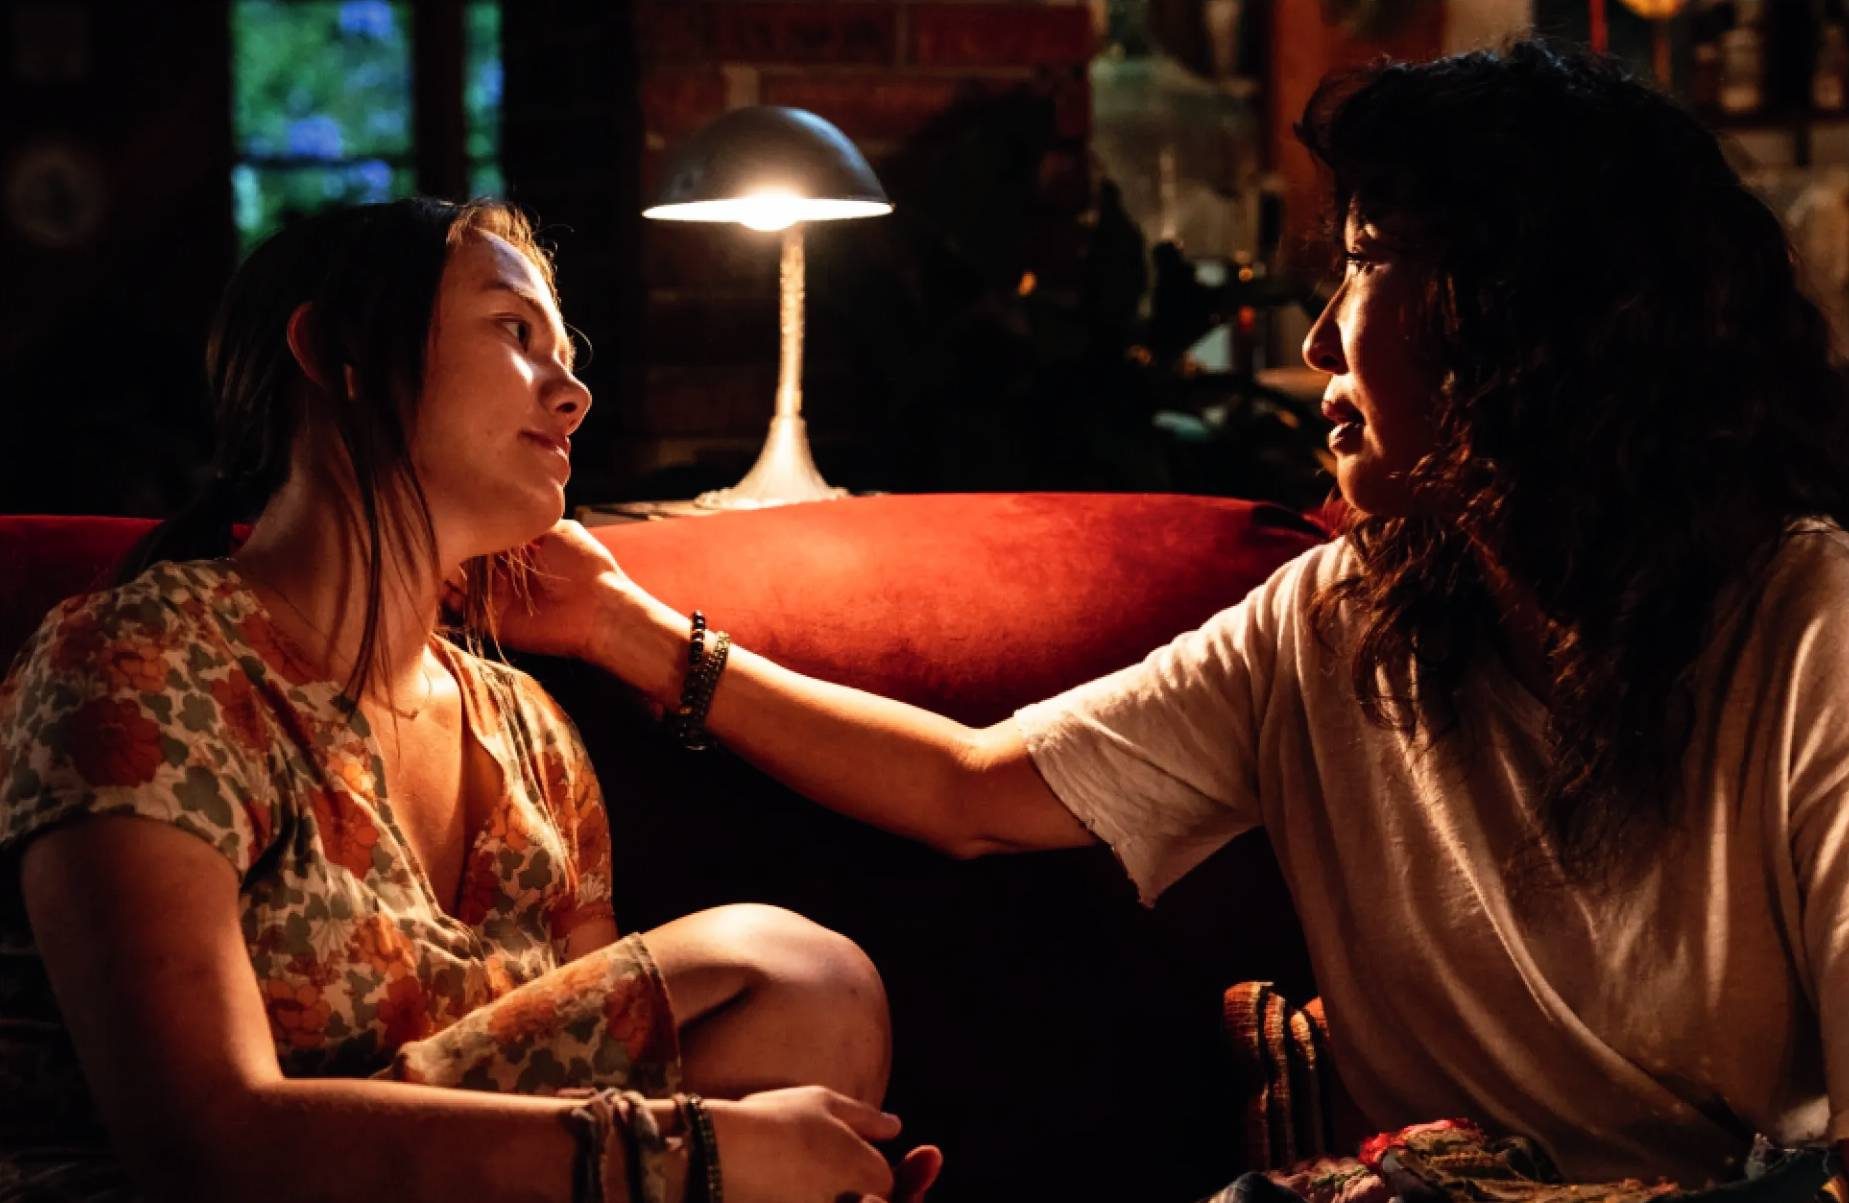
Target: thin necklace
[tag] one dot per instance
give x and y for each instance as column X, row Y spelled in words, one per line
column 423, row 671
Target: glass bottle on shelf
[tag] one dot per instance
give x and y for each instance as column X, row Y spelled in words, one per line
column 1743, row 62
column 1829, row 80
column 1706, row 24
column 1182, row 145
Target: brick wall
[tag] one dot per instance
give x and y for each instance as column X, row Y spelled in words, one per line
column 901, row 78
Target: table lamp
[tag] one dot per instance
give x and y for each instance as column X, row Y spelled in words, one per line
column 773, row 168
column 1658, row 13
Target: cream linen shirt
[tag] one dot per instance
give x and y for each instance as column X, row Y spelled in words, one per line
column 1646, row 1034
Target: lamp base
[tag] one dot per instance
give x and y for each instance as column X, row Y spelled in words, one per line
column 784, row 473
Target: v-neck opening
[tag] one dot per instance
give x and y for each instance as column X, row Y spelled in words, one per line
column 352, row 719
column 473, row 730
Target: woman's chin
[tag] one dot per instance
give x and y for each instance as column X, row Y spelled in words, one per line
column 1372, row 491
column 544, row 518
column 518, row 523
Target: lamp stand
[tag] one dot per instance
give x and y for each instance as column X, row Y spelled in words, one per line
column 785, row 472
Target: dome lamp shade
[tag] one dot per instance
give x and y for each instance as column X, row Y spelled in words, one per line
column 768, row 167
column 773, row 168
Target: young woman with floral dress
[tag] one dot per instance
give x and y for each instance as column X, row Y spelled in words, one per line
column 306, row 900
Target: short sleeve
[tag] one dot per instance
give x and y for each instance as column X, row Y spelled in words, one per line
column 1159, row 760
column 119, row 706
column 1819, row 818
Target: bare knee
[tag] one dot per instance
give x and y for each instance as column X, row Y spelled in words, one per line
column 766, row 997
column 780, row 948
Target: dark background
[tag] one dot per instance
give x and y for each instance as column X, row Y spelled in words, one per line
column 1063, row 1039
column 930, row 364
column 995, row 332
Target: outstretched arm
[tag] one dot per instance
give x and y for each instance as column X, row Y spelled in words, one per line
column 963, row 790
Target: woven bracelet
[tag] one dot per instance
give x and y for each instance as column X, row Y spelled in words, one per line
column 590, row 1126
column 648, row 1149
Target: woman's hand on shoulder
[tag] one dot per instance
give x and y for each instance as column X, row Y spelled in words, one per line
column 571, row 589
column 809, row 1142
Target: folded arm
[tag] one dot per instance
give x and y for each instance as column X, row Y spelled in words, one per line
column 137, row 923
column 138, row 927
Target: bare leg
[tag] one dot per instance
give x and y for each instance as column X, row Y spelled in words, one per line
column 765, row 998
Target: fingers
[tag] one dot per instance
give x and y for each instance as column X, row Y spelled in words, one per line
column 915, row 1175
column 917, row 1171
column 453, row 602
column 868, row 1122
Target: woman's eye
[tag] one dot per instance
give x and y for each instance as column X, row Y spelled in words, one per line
column 1357, row 261
column 518, row 328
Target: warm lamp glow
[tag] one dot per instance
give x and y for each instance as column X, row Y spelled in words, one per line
column 768, row 210
column 773, row 168
column 1654, row 10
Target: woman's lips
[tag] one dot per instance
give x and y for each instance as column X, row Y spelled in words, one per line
column 1346, row 435
column 1345, row 438
column 557, row 449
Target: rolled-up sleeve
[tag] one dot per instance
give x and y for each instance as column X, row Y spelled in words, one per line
column 1159, row 759
column 1819, row 803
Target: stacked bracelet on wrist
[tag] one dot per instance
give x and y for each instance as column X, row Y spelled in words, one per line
column 621, row 1113
column 624, row 1115
column 704, row 1184
column 704, row 664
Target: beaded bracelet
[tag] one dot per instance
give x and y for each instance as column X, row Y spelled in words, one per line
column 696, row 645
column 703, row 1146
column 688, row 722
column 690, row 681
column 694, row 734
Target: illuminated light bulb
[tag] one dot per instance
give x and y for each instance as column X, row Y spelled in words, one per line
column 769, row 211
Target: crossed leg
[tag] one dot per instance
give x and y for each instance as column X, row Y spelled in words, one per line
column 765, row 998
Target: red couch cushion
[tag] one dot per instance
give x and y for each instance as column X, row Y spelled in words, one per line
column 971, row 604
column 44, row 560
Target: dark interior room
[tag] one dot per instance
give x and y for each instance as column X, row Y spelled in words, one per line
column 957, row 409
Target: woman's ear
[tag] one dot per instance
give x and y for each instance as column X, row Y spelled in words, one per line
column 300, row 335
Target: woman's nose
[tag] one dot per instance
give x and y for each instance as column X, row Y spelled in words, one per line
column 571, row 398
column 1322, row 346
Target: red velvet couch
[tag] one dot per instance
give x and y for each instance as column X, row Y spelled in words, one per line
column 1058, row 1039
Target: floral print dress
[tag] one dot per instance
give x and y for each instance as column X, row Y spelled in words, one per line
column 175, row 698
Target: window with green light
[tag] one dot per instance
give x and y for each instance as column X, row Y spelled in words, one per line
column 481, row 97
column 323, row 106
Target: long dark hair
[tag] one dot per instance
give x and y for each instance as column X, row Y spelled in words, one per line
column 370, row 275
column 1638, row 400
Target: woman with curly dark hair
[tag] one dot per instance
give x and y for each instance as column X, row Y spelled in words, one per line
column 1553, row 741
